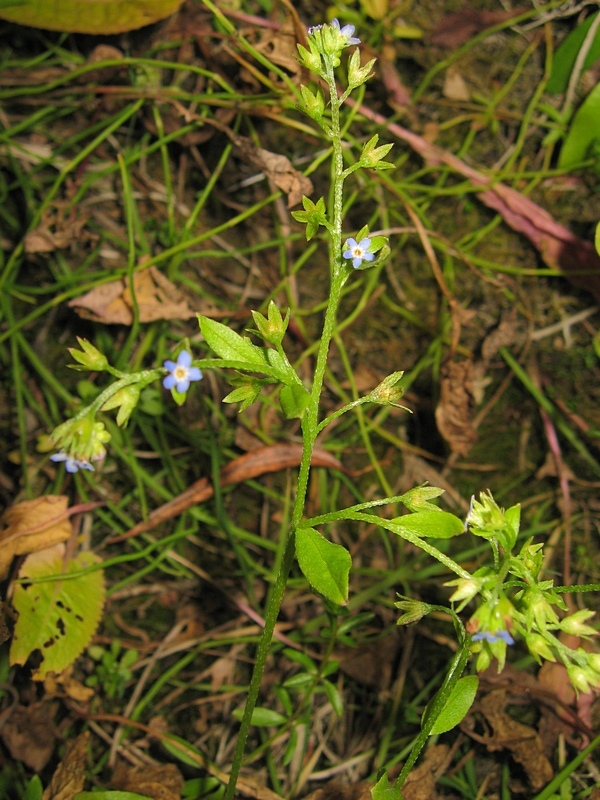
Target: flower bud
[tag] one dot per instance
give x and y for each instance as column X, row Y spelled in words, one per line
column 126, row 400
column 357, row 75
column 272, row 329
column 314, row 104
column 88, row 357
column 575, row 623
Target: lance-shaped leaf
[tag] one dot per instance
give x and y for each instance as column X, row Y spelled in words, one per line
column 430, row 524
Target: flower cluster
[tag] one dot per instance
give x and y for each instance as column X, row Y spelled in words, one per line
column 80, row 441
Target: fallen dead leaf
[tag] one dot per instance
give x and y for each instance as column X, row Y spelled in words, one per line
column 29, row 734
column 507, row 734
column 69, row 777
column 112, row 303
column 558, row 247
column 456, row 29
column 56, row 232
column 370, row 664
column 454, row 412
column 420, row 784
column 159, row 781
column 278, row 170
column 280, row 46
column 251, row 465
column 65, row 685
column 31, row 526
column 455, row 86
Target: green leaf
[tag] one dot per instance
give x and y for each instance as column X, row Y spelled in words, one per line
column 34, row 789
column 262, row 717
column 584, row 131
column 430, row 524
column 325, row 565
column 294, row 399
column 458, row 704
column 90, row 16
column 230, row 345
column 245, row 394
column 334, row 697
column 383, row 790
column 566, row 55
column 57, row 618
column 597, row 239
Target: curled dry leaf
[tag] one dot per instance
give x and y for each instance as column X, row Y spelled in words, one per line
column 29, row 733
column 454, row 412
column 31, row 526
column 69, row 778
column 159, row 781
column 278, row 170
column 112, row 303
column 523, row 742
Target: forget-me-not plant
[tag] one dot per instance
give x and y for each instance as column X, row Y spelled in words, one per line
column 515, row 604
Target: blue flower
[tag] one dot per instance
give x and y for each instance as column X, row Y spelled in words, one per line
column 71, row 464
column 347, row 32
column 181, row 373
column 358, row 251
column 494, row 637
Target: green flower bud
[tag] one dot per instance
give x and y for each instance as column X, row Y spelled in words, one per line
column 314, row 104
column 311, row 60
column 126, row 400
column 579, row 678
column 88, row 357
column 357, row 75
column 539, row 647
column 371, row 155
column 575, row 623
column 272, row 329
column 414, row 610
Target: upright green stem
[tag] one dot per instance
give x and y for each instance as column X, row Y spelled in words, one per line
column 309, row 432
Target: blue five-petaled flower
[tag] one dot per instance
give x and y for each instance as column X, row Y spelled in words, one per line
column 181, row 374
column 347, row 32
column 71, row 464
column 358, row 251
column 493, row 637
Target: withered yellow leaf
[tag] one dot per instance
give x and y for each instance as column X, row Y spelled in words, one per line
column 89, row 16
column 31, row 526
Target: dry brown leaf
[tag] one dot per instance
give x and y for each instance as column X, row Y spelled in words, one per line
column 456, row 29
column 31, row 526
column 507, row 734
column 420, row 784
column 455, row 86
column 278, row 169
column 280, row 46
column 454, row 412
column 69, row 777
column 159, row 781
column 55, row 232
column 251, row 465
column 112, row 304
column 29, row 734
column 371, row 664
column 65, row 685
